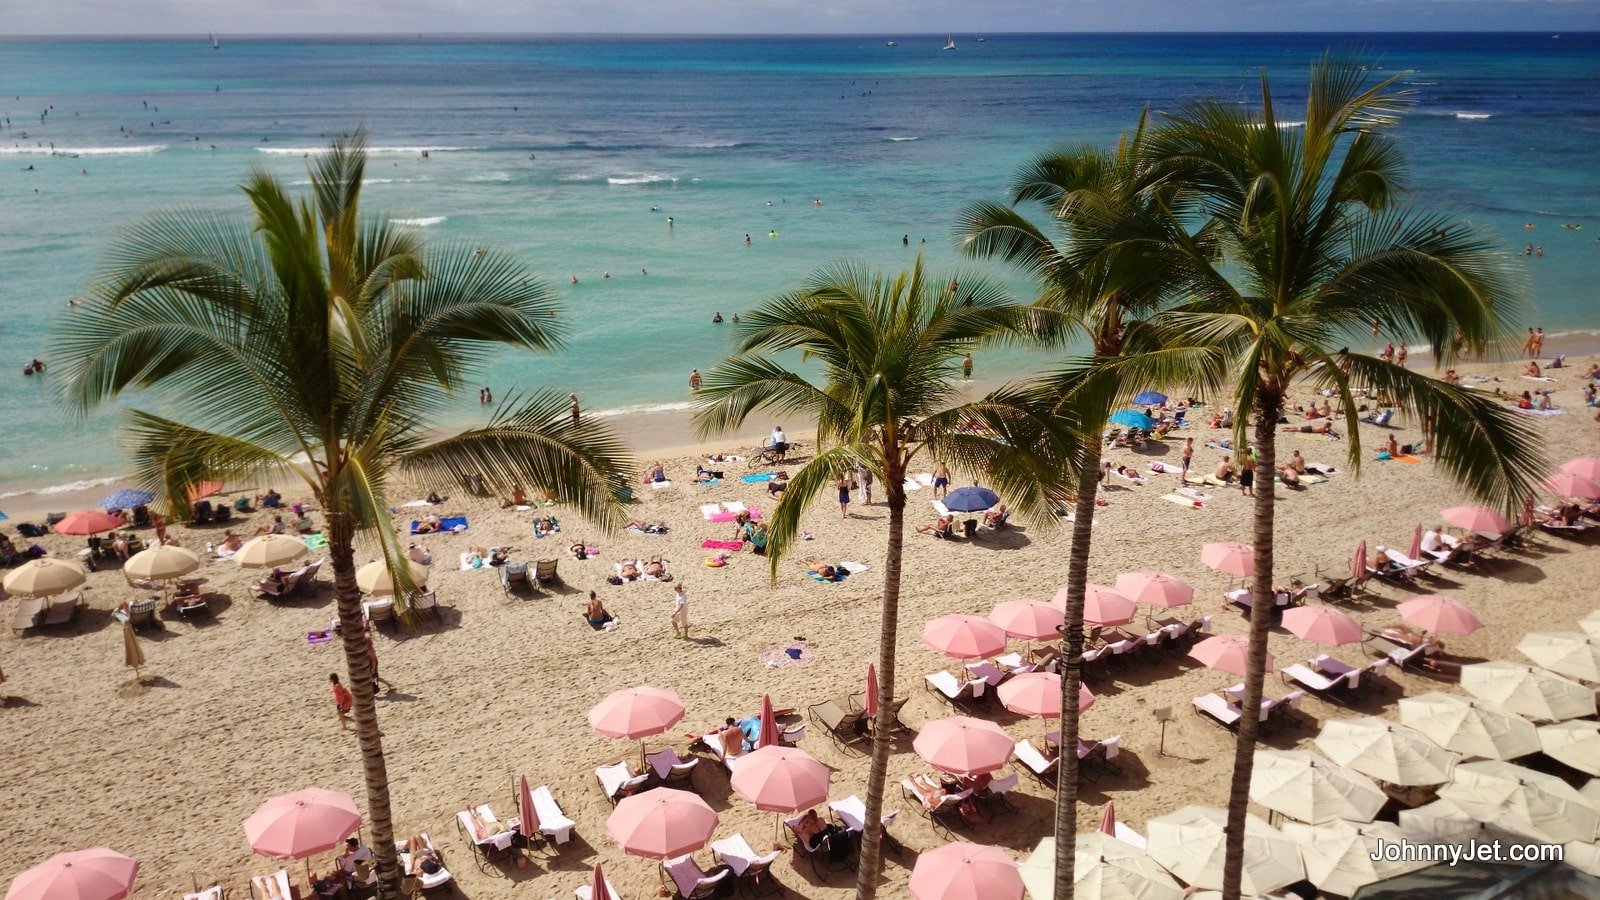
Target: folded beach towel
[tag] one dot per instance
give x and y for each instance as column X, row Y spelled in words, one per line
column 707, row 510
column 1537, row 378
column 313, row 541
column 1161, row 468
column 908, row 486
column 854, row 568
column 1182, row 501
column 1537, row 412
column 925, row 479
column 757, row 477
column 450, row 523
column 415, row 503
column 318, row 637
column 1319, row 467
column 722, row 545
column 658, row 485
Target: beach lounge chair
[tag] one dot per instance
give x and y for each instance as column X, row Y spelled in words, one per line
column 1283, row 710
column 987, row 671
column 439, row 880
column 545, row 571
column 852, row 814
column 514, row 575
column 955, row 691
column 272, row 887
column 215, row 892
column 995, row 794
column 1408, row 657
column 425, row 605
column 1328, row 688
column 753, row 870
column 668, row 768
column 1044, row 768
column 1214, row 707
column 380, row 612
column 619, row 780
column 267, row 589
column 692, row 881
column 553, row 823
column 791, row 734
column 586, row 892
column 1014, row 664
column 56, row 611
column 840, row 723
column 28, row 614
column 1100, row 755
column 948, row 805
column 142, row 613
column 825, row 858
column 188, row 599
column 485, row 834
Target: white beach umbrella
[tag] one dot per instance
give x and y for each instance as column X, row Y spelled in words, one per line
column 1444, row 822
column 1499, row 793
column 1528, row 690
column 1571, row 653
column 162, row 562
column 374, row 578
column 270, row 551
column 1104, row 868
column 44, row 578
column 1338, row 855
column 1469, row 727
column 1583, row 856
column 1590, row 623
column 1189, row 843
column 1381, row 749
column 1575, row 742
column 1310, row 788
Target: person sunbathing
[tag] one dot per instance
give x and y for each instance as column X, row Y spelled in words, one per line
column 825, row 571
column 655, row 568
column 595, row 613
column 1128, row 472
column 1532, row 371
column 703, row 475
column 429, row 525
column 424, row 859
column 1320, row 426
column 1297, row 462
column 419, row 555
column 1410, row 637
column 578, row 550
column 815, row 833
column 942, row 528
column 630, row 570
column 1450, row 377
column 499, row 556
column 647, row 527
column 1313, row 413
column 483, row 827
column 434, row 498
column 933, row 792
column 1593, row 371
column 1544, row 403
column 656, row 473
column 778, row 484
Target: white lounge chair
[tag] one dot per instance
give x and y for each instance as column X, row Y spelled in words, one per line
column 428, row 882
column 1014, row 664
column 669, row 767
column 1218, row 709
column 211, row 893
column 1128, row 836
column 953, row 690
column 692, row 881
column 486, row 845
column 736, row 853
column 553, row 823
column 987, row 671
column 852, row 814
column 792, row 734
column 1029, row 756
column 618, row 780
column 1312, row 680
column 271, row 887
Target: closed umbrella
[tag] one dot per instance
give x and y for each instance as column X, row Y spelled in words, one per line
column 1476, row 518
column 1154, row 589
column 1037, row 695
column 1415, row 550
column 964, row 637
column 1440, row 614
column 127, row 498
column 1469, row 727
column 636, row 713
column 1028, row 620
column 1104, row 868
column 1190, row 844
column 132, row 653
column 98, row 873
column 1341, row 857
column 1102, row 606
column 527, row 813
column 1358, row 565
column 1108, row 819
column 1312, row 789
column 1528, row 691
column 1148, row 397
column 971, row 499
column 1570, row 653
column 1386, row 751
column 963, row 871
column 1226, row 653
column 1230, row 558
column 1322, row 624
column 301, row 824
column 161, row 563
column 44, row 578
column 375, row 579
column 269, row 551
column 1132, row 418
column 88, row 521
column 661, row 823
column 1583, row 467
column 1566, row 484
column 1495, row 791
column 871, row 704
column 961, row 745
column 1575, row 743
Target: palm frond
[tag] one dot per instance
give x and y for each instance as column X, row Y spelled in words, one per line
column 170, row 457
column 811, row 481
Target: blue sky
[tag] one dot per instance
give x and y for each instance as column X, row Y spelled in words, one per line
column 786, row 16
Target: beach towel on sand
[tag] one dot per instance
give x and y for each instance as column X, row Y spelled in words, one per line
column 1537, row 412
column 722, row 545
column 730, row 515
column 1188, row 502
column 452, row 523
column 757, row 477
column 315, row 541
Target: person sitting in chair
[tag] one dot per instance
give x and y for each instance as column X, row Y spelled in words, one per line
column 943, row 528
column 996, row 517
column 816, row 834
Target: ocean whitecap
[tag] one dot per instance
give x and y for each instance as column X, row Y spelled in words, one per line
column 423, row 222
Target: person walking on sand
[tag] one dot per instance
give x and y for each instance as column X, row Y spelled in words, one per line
column 864, row 478
column 694, row 380
column 941, row 480
column 844, row 496
column 680, row 612
column 372, row 658
column 572, row 400
column 342, row 700
column 1188, row 457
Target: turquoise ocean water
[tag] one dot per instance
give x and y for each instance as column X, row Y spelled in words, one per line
column 559, row 148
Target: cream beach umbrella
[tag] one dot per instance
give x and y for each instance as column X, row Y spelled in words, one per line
column 1542, row 806
column 374, row 578
column 1341, row 857
column 1469, row 727
column 1528, row 691
column 1590, row 623
column 1313, row 789
column 1575, row 743
column 1105, row 869
column 270, row 551
column 1583, row 856
column 161, row 563
column 44, row 578
column 1381, row 749
column 1190, row 844
column 1570, row 653
column 1444, row 822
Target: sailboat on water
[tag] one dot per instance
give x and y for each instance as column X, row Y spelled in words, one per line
column 949, row 42
column 214, row 44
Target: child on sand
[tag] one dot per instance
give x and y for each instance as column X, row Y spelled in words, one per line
column 342, row 700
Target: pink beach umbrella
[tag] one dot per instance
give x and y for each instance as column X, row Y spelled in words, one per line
column 961, row 745
column 964, row 637
column 1028, row 620
column 1226, row 653
column 301, row 824
column 1566, row 484
column 1583, row 467
column 1322, row 624
column 1230, row 558
column 1476, row 518
column 1440, row 614
column 1037, row 695
column 1415, row 550
column 529, row 825
column 1358, row 566
column 781, row 779
column 963, row 871
column 661, row 823
column 1154, row 589
column 636, row 713
column 98, row 873
column 1104, row 606
column 600, row 889
column 768, row 736
column 872, row 691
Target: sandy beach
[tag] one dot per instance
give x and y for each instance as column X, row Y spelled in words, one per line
column 235, row 707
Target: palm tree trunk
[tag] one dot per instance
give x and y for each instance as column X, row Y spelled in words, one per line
column 883, row 724
column 352, row 625
column 1267, row 408
column 1071, row 671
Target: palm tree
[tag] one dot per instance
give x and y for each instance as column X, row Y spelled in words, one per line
column 1317, row 251
column 888, row 348
column 1105, row 299
column 312, row 343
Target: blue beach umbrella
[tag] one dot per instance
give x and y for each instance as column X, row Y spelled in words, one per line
column 1150, row 398
column 971, row 499
column 127, row 498
column 1132, row 418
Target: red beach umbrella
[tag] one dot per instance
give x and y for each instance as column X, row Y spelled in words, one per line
column 89, row 521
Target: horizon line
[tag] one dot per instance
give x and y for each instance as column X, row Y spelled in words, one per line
column 273, row 35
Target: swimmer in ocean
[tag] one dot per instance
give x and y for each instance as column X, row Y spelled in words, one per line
column 747, row 238
column 669, row 221
column 716, row 318
column 772, row 233
column 905, row 240
column 574, row 279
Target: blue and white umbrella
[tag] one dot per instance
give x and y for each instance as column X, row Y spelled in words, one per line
column 1150, row 398
column 127, row 498
column 1132, row 418
column 971, row 499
